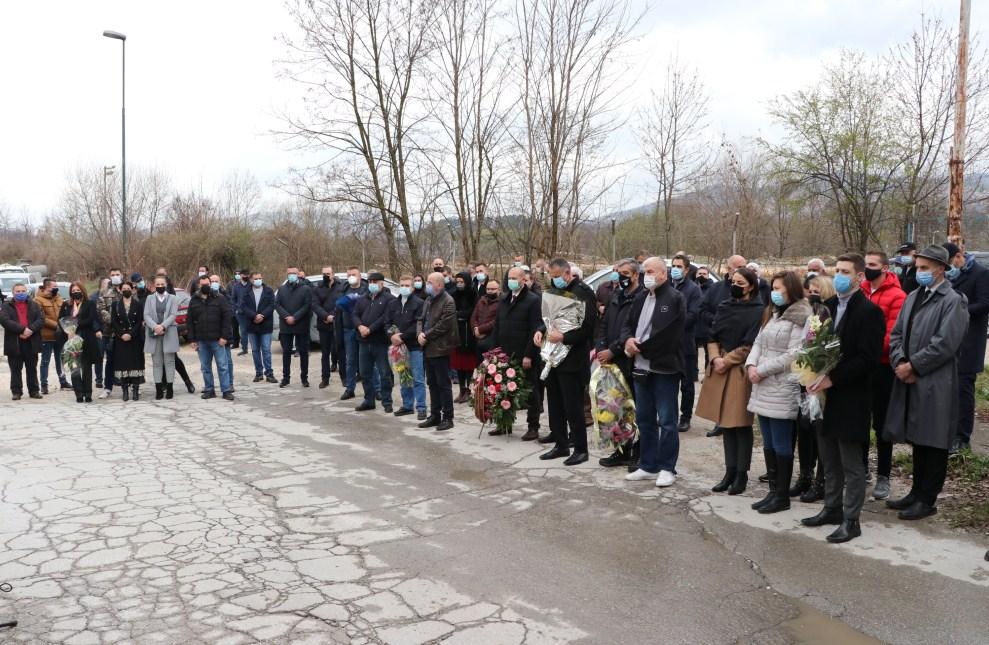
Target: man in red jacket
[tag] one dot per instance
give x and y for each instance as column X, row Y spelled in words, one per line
column 882, row 287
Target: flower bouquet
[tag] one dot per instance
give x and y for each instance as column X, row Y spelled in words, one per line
column 398, row 356
column 498, row 390
column 612, row 407
column 72, row 349
column 820, row 353
column 563, row 312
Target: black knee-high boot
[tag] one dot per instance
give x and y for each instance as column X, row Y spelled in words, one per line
column 730, row 441
column 744, row 438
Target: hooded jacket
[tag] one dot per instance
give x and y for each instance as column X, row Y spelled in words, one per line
column 50, row 306
column 775, row 348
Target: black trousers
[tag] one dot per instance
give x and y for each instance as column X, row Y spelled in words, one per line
column 535, row 409
column 687, row 386
column 181, row 371
column 82, row 383
column 327, row 352
column 966, row 407
column 440, row 387
column 930, row 467
column 882, row 389
column 806, row 438
column 28, row 361
column 565, row 402
column 302, row 344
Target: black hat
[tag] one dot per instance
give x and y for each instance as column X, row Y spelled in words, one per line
column 935, row 253
column 952, row 249
column 375, row 277
column 906, row 246
column 135, row 277
column 244, row 271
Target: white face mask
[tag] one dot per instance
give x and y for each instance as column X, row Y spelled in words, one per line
column 115, row 280
column 353, row 280
column 649, row 281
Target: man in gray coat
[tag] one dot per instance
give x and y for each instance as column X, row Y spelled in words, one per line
column 438, row 336
column 923, row 409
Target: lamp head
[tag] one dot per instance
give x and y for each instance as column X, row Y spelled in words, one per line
column 114, row 34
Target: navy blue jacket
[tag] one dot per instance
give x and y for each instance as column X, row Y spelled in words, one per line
column 973, row 283
column 296, row 301
column 405, row 316
column 692, row 297
column 345, row 308
column 324, row 301
column 265, row 307
column 372, row 312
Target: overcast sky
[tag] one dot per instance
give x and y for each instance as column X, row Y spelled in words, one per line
column 202, row 93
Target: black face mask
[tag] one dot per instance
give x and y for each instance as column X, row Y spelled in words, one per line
column 872, row 274
column 160, row 289
column 491, row 296
column 624, row 281
column 205, row 289
column 126, row 293
column 702, row 280
column 814, row 299
column 461, row 287
column 326, row 280
column 77, row 295
column 737, row 292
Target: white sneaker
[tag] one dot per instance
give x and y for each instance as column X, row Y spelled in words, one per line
column 666, row 478
column 104, row 394
column 639, row 476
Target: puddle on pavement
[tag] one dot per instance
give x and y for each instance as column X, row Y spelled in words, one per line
column 812, row 627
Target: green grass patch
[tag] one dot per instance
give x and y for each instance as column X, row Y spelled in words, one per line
column 903, row 461
column 969, row 465
column 970, row 516
column 982, row 391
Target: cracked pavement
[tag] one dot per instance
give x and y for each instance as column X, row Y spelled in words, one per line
column 285, row 517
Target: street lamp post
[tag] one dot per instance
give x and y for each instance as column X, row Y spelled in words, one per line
column 116, row 35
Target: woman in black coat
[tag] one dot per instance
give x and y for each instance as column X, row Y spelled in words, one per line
column 127, row 319
column 83, row 310
column 464, row 359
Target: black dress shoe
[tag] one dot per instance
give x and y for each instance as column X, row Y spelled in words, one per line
column 430, row 422
column 443, row 425
column 813, row 494
column 847, row 530
column 388, row 409
column 347, row 395
column 44, row 389
column 531, row 434
column 715, row 432
column 208, row 394
column 826, row 516
column 576, row 458
column 547, row 439
column 498, row 432
column 284, row 383
column 242, row 352
column 258, row 378
column 555, row 453
column 270, row 379
column 35, row 395
column 364, row 406
column 917, row 511
column 190, row 387
column 87, row 399
column 901, row 504
column 401, row 412
column 618, row 458
column 684, row 424
column 78, row 398
column 324, row 383
column 764, row 477
column 305, row 382
column 228, row 396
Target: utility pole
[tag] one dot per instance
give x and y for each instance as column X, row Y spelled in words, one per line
column 956, row 166
column 613, row 258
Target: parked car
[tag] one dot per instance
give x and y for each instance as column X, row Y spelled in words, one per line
column 982, row 257
column 316, row 279
column 601, row 275
column 182, row 318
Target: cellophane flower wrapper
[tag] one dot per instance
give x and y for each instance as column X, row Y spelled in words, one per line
column 563, row 313
column 72, row 348
column 398, row 357
column 613, row 407
column 820, row 353
column 499, row 389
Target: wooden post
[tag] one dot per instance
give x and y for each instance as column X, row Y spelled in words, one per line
column 956, row 166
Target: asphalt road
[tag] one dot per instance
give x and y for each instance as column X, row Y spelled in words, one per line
column 287, row 517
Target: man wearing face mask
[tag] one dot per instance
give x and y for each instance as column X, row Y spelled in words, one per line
column 904, row 266
column 437, row 335
column 848, row 407
column 611, row 346
column 371, row 319
column 883, row 289
column 970, row 279
column 605, row 291
column 680, row 279
column 107, row 299
column 216, row 286
column 923, row 410
column 717, row 294
column 202, row 271
column 293, row 302
column 259, row 307
column 343, row 319
column 22, row 322
column 238, row 290
column 50, row 302
column 519, row 318
column 403, row 318
column 324, row 300
column 209, row 326
column 480, row 280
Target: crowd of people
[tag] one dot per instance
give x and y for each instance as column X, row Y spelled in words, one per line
column 912, row 336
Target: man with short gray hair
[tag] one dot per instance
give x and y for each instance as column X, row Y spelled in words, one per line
column 438, row 336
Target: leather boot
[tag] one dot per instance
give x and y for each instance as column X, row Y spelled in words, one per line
column 803, row 484
column 137, row 393
column 126, row 389
column 816, row 491
column 169, row 391
column 781, row 501
column 726, row 481
column 770, row 458
column 159, row 391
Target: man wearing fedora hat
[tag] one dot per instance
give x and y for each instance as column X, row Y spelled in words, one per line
column 970, row 279
column 923, row 409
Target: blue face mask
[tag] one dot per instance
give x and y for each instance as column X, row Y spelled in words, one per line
column 258, row 282
column 140, row 285
column 292, row 278
column 373, row 288
column 778, row 299
column 513, row 285
column 842, row 283
column 480, row 277
column 429, row 288
column 20, row 297
column 676, row 273
column 953, row 273
column 614, row 276
column 405, row 291
column 215, row 286
column 925, row 278
column 417, row 284
column 559, row 283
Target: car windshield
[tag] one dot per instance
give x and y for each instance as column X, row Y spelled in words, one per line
column 7, row 283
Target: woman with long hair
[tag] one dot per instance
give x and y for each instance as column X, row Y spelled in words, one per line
column 127, row 319
column 463, row 359
column 83, row 310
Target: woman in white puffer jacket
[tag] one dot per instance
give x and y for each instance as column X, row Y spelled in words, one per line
column 775, row 389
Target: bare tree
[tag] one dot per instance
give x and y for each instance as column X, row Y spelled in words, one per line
column 671, row 138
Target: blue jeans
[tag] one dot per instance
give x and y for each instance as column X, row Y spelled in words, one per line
column 371, row 356
column 108, row 344
column 777, row 435
column 262, row 352
column 230, row 363
column 244, row 323
column 47, row 349
column 208, row 352
column 350, row 346
column 656, row 416
column 414, row 396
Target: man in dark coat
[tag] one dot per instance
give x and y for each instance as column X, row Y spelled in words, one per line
column 209, row 328
column 848, row 407
column 970, row 279
column 923, row 408
column 403, row 317
column 324, row 299
column 239, row 289
column 258, row 308
column 346, row 331
column 437, row 335
column 519, row 318
column 371, row 320
column 22, row 321
column 905, row 268
column 610, row 345
column 293, row 302
column 680, row 279
column 566, row 384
